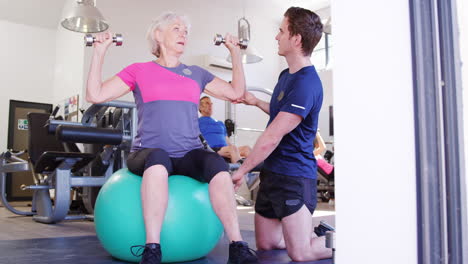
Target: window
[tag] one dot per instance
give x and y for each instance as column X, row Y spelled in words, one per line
column 321, row 54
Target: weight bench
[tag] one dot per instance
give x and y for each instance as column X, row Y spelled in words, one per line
column 56, row 169
column 59, row 168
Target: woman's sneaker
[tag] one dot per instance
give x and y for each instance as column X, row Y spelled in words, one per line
column 240, row 253
column 151, row 253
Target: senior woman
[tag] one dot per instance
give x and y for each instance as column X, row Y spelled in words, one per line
column 166, row 94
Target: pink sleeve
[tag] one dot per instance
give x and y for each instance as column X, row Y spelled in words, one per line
column 128, row 75
column 325, row 166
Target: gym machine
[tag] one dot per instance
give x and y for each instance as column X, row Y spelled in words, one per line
column 57, row 164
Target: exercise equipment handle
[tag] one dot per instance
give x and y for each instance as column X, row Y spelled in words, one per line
column 54, row 113
column 90, row 135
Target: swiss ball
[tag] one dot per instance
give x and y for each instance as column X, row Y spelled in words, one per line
column 190, row 229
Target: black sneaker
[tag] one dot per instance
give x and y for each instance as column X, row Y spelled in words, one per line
column 240, row 253
column 151, row 253
column 322, row 229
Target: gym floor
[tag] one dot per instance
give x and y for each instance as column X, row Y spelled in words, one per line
column 24, row 241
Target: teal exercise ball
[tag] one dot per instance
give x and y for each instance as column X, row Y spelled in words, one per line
column 190, row 229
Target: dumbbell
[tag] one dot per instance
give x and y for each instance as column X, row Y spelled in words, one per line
column 89, row 40
column 218, row 39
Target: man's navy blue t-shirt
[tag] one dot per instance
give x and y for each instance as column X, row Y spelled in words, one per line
column 300, row 93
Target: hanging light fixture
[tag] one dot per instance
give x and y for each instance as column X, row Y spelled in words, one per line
column 85, row 18
column 249, row 55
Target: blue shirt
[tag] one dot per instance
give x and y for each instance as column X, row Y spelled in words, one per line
column 213, row 131
column 300, row 93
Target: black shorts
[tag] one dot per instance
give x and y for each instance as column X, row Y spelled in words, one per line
column 282, row 195
column 199, row 164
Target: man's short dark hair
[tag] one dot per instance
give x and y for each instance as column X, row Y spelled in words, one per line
column 307, row 24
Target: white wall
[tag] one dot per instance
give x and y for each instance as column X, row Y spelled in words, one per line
column 327, row 81
column 26, row 67
column 69, row 63
column 374, row 133
column 207, row 17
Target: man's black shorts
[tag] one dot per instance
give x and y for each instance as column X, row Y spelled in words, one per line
column 282, row 195
column 199, row 164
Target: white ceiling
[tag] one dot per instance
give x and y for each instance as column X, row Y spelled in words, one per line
column 48, row 13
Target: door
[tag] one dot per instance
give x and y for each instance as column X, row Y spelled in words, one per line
column 18, row 140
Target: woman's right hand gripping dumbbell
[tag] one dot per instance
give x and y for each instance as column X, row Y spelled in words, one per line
column 102, row 41
column 98, row 91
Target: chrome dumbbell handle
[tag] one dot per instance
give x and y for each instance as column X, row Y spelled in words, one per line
column 89, row 40
column 218, row 39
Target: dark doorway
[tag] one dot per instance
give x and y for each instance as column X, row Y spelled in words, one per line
column 18, row 140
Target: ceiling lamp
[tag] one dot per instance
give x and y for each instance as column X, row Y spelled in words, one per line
column 85, row 18
column 249, row 55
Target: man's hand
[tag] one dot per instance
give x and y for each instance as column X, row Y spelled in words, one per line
column 237, row 180
column 239, row 101
column 249, row 99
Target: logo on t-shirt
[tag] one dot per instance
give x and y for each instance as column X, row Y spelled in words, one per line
column 187, row 71
column 280, row 96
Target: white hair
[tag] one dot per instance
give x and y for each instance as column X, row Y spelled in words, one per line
column 160, row 22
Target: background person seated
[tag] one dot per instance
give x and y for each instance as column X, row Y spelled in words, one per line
column 322, row 165
column 215, row 134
